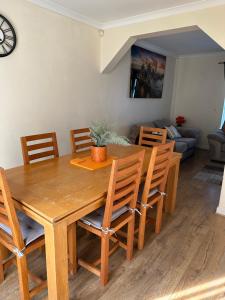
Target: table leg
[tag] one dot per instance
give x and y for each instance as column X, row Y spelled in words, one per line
column 72, row 248
column 57, row 260
column 171, row 187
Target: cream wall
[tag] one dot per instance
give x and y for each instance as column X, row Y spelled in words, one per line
column 199, row 92
column 52, row 82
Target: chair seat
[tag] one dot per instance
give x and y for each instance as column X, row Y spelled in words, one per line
column 152, row 193
column 95, row 218
column 30, row 229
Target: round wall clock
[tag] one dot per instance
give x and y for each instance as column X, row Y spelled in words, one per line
column 7, row 37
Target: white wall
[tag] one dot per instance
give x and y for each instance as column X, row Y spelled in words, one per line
column 52, row 82
column 199, row 92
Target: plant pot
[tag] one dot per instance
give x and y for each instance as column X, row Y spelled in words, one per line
column 99, row 154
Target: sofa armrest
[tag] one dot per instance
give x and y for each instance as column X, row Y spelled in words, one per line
column 134, row 133
column 189, row 132
column 218, row 137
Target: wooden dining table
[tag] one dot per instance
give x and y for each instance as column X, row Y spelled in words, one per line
column 56, row 193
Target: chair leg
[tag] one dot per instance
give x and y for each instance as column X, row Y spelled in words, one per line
column 130, row 238
column 158, row 222
column 72, row 248
column 2, row 277
column 141, row 231
column 23, row 277
column 104, row 259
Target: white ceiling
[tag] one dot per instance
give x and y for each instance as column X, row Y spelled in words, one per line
column 110, row 13
column 183, row 43
column 111, row 10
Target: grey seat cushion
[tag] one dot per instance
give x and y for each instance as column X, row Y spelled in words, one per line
column 191, row 142
column 180, row 147
column 30, row 229
column 95, row 218
column 152, row 193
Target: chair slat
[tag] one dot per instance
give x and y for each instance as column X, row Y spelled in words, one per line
column 160, row 165
column 81, row 130
column 131, row 170
column 124, row 191
column 83, row 138
column 36, row 137
column 122, row 183
column 123, row 202
column 152, row 136
column 40, row 146
column 85, row 145
column 162, row 157
column 158, row 174
column 149, row 143
column 41, row 155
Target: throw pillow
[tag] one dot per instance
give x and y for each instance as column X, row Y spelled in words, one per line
column 173, row 133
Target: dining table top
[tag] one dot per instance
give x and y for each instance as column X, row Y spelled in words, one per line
column 55, row 188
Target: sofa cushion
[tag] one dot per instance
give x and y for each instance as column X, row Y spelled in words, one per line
column 191, row 142
column 180, row 147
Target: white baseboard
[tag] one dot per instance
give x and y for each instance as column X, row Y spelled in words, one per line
column 220, row 211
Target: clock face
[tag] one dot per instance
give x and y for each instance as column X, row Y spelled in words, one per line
column 7, row 37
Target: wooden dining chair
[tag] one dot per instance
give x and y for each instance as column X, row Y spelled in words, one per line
column 152, row 136
column 80, row 139
column 20, row 235
column 153, row 191
column 39, row 146
column 119, row 211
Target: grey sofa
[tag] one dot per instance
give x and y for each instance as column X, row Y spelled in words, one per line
column 185, row 145
column 217, row 145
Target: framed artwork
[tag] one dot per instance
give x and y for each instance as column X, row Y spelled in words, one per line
column 147, row 73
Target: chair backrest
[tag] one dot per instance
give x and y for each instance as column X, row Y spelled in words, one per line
column 80, row 139
column 158, row 170
column 123, row 185
column 8, row 217
column 39, row 146
column 152, row 136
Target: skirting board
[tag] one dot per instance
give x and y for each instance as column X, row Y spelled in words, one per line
column 220, row 211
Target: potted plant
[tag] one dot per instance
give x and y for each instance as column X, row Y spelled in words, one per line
column 180, row 120
column 101, row 135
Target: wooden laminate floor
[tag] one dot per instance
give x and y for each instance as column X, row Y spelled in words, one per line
column 186, row 261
